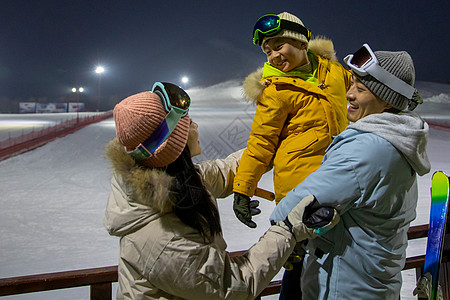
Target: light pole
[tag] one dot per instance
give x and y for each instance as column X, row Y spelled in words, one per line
column 99, row 70
column 77, row 91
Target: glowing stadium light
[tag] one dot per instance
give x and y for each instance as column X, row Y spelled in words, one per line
column 184, row 80
column 99, row 70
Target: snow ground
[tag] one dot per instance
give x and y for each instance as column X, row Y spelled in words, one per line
column 53, row 198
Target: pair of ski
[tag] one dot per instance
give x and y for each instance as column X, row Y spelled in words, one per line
column 428, row 285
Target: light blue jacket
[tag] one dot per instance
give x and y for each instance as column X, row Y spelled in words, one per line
column 369, row 175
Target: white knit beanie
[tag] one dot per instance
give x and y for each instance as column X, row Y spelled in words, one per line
column 288, row 33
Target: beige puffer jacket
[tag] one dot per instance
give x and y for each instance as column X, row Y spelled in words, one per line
column 162, row 258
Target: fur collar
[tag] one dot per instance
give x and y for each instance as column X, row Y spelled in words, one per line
column 323, row 47
column 254, row 86
column 147, row 186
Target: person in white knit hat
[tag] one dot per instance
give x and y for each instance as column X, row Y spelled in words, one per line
column 369, row 174
column 300, row 105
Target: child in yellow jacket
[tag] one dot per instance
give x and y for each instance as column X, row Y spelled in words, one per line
column 300, row 105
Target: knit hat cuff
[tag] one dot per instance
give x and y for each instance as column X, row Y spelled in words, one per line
column 386, row 94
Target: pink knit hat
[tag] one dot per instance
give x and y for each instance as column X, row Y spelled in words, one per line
column 138, row 116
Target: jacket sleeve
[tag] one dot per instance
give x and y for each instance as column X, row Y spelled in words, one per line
column 218, row 175
column 336, row 183
column 198, row 271
column 271, row 113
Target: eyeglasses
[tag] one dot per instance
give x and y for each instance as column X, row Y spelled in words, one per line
column 270, row 25
column 364, row 62
column 176, row 102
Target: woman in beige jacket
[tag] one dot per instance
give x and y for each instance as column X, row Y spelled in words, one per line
column 163, row 208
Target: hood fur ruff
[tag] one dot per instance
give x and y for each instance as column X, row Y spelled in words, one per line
column 254, row 86
column 147, row 186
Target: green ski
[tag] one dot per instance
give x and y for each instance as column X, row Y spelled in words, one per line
column 428, row 285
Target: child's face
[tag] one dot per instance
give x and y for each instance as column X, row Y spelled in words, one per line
column 285, row 54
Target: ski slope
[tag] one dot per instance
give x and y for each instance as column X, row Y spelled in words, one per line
column 53, row 198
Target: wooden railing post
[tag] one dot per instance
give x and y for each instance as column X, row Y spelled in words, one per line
column 101, row 291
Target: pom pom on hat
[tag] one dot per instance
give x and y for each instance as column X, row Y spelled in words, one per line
column 136, row 118
column 399, row 64
column 288, row 33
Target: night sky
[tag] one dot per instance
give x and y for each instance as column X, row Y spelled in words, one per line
column 49, row 46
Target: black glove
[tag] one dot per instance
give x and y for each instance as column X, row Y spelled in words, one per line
column 305, row 222
column 244, row 208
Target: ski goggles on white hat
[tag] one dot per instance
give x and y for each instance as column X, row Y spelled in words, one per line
column 176, row 102
column 270, row 25
column 364, row 62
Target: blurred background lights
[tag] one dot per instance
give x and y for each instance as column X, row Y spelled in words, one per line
column 80, row 90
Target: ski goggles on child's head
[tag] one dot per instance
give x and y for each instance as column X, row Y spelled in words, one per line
column 364, row 62
column 270, row 25
column 176, row 102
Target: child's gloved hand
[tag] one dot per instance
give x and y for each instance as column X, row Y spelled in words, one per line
column 306, row 222
column 244, row 208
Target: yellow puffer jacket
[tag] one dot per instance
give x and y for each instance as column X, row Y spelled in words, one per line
column 294, row 122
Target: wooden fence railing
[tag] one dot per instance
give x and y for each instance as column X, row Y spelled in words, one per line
column 100, row 279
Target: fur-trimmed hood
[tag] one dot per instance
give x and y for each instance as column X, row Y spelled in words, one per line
column 139, row 194
column 254, row 86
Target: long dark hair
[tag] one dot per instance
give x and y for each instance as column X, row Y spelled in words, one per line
column 193, row 206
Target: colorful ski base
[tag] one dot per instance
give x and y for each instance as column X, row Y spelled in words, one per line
column 438, row 219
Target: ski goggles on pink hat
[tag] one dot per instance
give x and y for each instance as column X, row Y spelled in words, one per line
column 176, row 102
column 270, row 25
column 364, row 62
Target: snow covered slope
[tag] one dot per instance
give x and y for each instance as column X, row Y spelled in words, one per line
column 53, row 198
